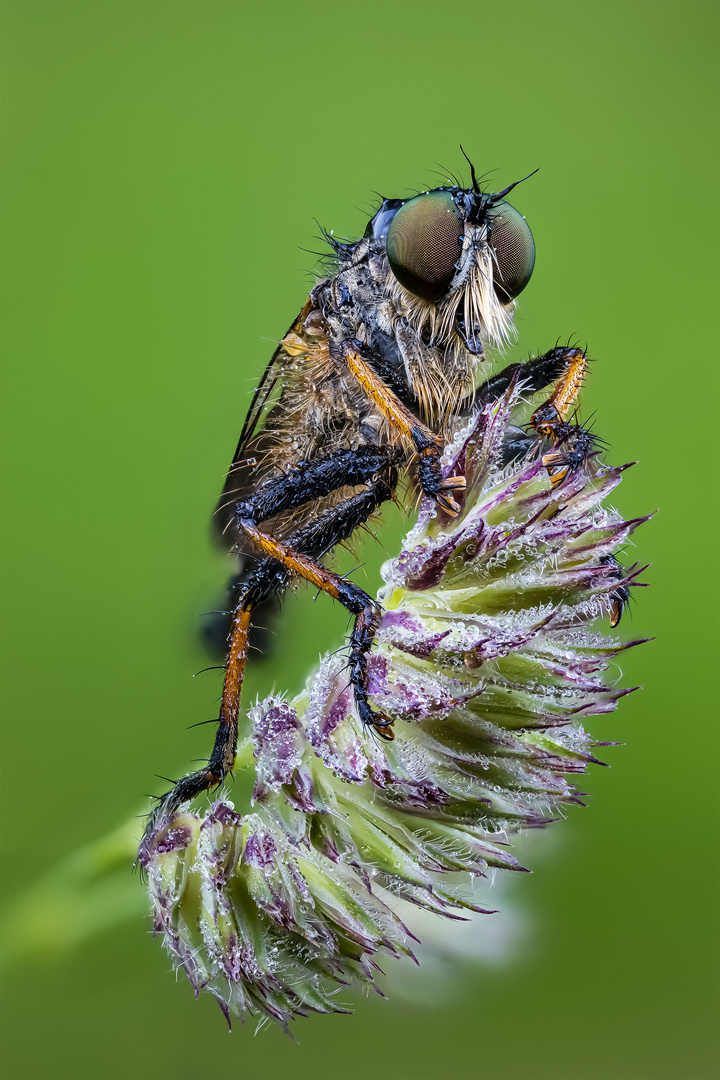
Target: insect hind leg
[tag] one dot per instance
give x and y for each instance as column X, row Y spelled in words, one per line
column 299, row 555
column 216, row 625
column 268, row 577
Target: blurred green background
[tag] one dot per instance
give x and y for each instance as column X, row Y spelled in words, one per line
column 163, row 166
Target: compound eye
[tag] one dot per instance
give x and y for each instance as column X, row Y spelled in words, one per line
column 423, row 244
column 514, row 248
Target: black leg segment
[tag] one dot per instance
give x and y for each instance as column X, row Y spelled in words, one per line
column 313, row 480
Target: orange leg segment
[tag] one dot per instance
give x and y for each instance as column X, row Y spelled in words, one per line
column 366, row 610
column 428, row 445
column 230, row 704
column 568, row 387
column 294, row 561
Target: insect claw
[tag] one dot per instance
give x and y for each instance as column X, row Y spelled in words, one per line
column 446, row 502
column 448, row 505
column 382, row 726
column 453, row 483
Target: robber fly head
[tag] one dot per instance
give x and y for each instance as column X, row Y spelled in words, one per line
column 466, row 252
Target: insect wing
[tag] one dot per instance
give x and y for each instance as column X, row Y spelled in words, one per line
column 252, row 458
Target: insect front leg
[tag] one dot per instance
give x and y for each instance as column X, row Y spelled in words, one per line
column 572, row 444
column 535, row 374
column 428, row 445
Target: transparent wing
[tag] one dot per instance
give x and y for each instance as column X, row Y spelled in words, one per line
column 253, row 456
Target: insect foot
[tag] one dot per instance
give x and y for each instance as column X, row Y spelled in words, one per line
column 486, row 655
column 432, row 483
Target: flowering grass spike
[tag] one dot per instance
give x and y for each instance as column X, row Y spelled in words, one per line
column 489, row 659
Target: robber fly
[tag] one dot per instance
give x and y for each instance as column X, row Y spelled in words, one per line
column 369, row 384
